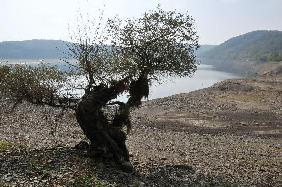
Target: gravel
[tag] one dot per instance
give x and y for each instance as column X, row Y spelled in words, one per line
column 210, row 137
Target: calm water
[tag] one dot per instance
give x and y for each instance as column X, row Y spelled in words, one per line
column 204, row 77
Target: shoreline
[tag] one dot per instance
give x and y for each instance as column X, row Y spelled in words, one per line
column 246, row 102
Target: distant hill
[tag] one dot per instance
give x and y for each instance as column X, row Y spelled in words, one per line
column 258, row 46
column 203, row 49
column 33, row 49
column 48, row 49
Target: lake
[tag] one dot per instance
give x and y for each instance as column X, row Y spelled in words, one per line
column 204, row 77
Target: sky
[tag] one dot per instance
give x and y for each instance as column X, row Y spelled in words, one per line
column 216, row 20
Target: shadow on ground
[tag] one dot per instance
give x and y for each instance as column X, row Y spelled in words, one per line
column 67, row 166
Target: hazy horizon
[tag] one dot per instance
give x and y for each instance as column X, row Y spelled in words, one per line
column 71, row 41
column 216, row 21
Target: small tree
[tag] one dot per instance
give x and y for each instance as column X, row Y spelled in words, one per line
column 161, row 43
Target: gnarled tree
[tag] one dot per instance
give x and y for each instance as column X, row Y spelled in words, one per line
column 161, row 43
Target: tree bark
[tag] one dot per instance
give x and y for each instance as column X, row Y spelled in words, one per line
column 106, row 140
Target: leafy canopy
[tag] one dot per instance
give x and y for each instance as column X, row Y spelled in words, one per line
column 159, row 43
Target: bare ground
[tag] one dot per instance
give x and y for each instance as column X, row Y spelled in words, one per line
column 226, row 135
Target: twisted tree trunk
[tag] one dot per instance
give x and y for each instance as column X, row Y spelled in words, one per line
column 107, row 139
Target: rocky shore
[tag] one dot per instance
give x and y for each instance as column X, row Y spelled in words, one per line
column 227, row 135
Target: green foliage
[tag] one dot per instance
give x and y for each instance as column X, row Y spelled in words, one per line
column 4, row 145
column 34, row 84
column 260, row 46
column 159, row 43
